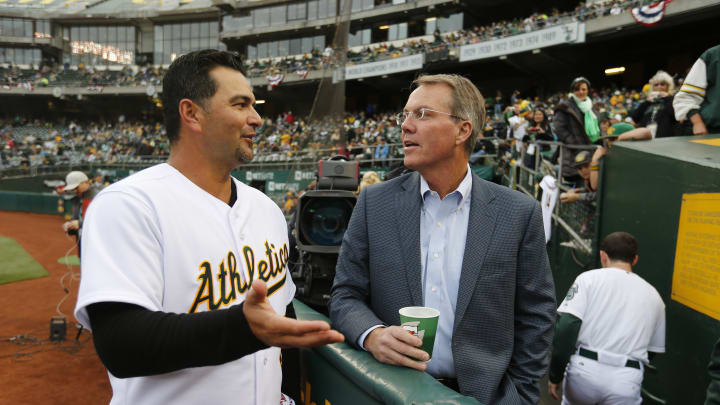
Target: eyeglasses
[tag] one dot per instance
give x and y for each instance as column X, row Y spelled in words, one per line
column 419, row 115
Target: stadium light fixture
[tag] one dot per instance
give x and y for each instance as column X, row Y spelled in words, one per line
column 384, row 27
column 614, row 71
column 259, row 101
column 430, row 19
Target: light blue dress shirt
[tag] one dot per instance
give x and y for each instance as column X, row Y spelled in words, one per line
column 443, row 230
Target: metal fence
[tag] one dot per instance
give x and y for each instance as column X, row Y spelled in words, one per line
column 574, row 223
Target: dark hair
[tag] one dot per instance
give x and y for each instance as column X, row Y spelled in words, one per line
column 544, row 113
column 620, row 246
column 576, row 83
column 189, row 77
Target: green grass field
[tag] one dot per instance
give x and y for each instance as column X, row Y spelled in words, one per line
column 16, row 264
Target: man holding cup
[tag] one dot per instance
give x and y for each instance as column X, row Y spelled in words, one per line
column 443, row 238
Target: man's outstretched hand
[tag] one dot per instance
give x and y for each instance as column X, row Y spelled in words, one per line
column 279, row 331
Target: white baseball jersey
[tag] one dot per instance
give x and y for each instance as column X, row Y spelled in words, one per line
column 157, row 240
column 621, row 313
column 622, row 317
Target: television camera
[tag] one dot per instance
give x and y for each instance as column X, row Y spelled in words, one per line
column 321, row 219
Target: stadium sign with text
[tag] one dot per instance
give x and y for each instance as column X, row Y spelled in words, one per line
column 385, row 67
column 556, row 35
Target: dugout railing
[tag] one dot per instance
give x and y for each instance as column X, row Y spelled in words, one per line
column 575, row 224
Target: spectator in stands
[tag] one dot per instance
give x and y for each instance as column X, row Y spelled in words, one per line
column 369, row 178
column 497, row 105
column 616, row 132
column 588, row 192
column 328, row 54
column 699, row 97
column 342, row 150
column 291, row 200
column 355, row 149
column 518, row 123
column 539, row 130
column 575, row 123
column 98, row 181
column 655, row 116
column 382, row 150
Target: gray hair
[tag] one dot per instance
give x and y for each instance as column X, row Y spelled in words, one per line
column 663, row 77
column 467, row 102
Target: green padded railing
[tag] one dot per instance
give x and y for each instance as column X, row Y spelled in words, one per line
column 357, row 373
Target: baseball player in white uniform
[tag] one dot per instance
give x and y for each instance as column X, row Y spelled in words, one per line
column 609, row 321
column 184, row 272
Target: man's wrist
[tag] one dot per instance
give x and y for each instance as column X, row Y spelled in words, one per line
column 363, row 339
column 555, row 379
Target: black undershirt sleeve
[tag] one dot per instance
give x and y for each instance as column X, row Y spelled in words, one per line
column 133, row 341
column 233, row 193
column 563, row 346
column 291, row 365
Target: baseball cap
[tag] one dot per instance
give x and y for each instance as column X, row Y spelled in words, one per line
column 73, row 179
column 582, row 158
column 616, row 130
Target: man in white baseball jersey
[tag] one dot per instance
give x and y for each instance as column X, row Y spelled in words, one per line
column 184, row 272
column 609, row 321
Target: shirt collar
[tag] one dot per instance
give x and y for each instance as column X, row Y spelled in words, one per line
column 464, row 188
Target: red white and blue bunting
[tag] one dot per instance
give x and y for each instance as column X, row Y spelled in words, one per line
column 650, row 14
column 275, row 80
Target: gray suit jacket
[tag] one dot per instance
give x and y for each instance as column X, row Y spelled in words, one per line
column 506, row 302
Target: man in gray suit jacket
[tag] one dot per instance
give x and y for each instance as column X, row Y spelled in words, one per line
column 442, row 237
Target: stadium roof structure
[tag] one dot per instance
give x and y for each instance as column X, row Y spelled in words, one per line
column 150, row 8
column 101, row 8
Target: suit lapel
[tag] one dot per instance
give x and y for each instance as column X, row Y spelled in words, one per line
column 408, row 230
column 481, row 226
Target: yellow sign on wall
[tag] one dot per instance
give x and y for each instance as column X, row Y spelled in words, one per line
column 696, row 276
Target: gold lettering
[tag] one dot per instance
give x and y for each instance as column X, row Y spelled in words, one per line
column 234, row 276
column 228, row 274
column 249, row 264
column 269, row 255
column 205, row 292
column 263, row 273
column 221, row 278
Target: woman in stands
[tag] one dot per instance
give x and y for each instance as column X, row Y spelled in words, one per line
column 654, row 117
column 575, row 123
column 539, row 130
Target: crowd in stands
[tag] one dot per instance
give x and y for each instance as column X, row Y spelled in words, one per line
column 49, row 74
column 64, row 75
column 39, row 143
column 318, row 60
column 368, row 136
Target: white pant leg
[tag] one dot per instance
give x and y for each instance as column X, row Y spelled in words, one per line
column 588, row 382
column 580, row 384
column 625, row 387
